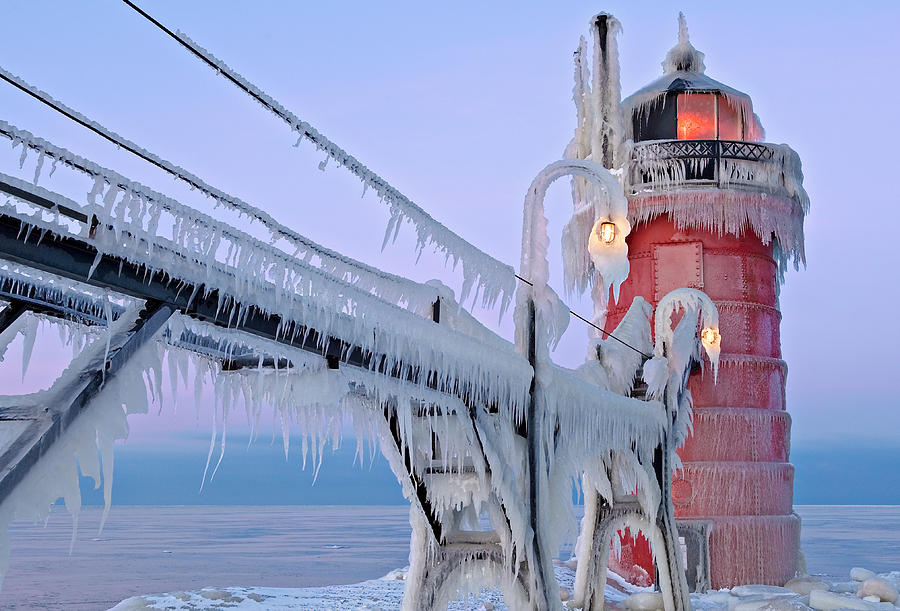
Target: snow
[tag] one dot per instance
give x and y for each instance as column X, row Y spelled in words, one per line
column 386, row 593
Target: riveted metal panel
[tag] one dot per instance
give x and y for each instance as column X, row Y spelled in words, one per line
column 677, row 265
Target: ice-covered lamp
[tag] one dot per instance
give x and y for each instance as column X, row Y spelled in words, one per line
column 606, row 231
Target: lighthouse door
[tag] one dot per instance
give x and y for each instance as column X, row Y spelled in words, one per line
column 677, row 265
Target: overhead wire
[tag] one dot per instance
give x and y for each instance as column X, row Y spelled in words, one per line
column 495, row 278
column 196, row 182
column 268, row 221
column 592, row 324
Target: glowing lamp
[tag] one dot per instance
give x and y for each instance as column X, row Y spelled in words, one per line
column 607, row 232
column 710, row 336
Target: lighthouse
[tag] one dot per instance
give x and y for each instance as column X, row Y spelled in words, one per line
column 714, row 207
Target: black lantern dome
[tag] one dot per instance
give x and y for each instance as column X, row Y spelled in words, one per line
column 685, row 104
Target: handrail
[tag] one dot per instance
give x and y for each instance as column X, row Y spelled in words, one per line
column 662, row 164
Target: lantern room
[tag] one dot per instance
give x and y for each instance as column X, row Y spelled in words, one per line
column 685, row 104
column 685, row 113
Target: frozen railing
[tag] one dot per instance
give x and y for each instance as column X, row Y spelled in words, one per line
column 679, row 178
column 665, row 164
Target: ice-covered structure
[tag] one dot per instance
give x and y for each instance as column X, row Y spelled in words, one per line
column 475, row 428
column 713, row 207
column 485, row 436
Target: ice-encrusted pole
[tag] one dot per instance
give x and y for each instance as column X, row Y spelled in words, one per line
column 540, row 321
column 607, row 124
column 598, row 137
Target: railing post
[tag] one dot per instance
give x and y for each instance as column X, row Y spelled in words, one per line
column 717, row 148
column 540, row 597
column 436, row 310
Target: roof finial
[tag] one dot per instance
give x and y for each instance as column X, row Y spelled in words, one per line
column 683, row 36
column 683, row 57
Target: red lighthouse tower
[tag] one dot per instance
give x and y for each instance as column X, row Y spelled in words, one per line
column 714, row 208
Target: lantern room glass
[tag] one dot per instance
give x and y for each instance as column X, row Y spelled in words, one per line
column 729, row 121
column 696, row 116
column 707, row 116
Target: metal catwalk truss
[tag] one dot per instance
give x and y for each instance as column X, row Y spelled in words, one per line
column 470, row 429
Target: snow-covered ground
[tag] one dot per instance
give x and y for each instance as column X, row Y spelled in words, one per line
column 863, row 590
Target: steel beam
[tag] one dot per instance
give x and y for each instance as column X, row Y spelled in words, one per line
column 74, row 258
column 49, row 424
column 10, row 314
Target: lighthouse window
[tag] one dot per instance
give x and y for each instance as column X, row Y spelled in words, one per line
column 729, row 121
column 707, row 116
column 696, row 116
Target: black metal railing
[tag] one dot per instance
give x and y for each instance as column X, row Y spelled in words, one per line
column 660, row 164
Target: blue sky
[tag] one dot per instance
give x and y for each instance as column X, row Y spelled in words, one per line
column 460, row 106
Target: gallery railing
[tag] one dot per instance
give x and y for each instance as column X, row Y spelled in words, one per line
column 666, row 164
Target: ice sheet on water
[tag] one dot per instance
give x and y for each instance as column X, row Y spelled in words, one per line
column 386, row 594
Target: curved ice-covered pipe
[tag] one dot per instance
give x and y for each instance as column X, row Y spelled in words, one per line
column 690, row 300
column 534, row 264
column 611, row 260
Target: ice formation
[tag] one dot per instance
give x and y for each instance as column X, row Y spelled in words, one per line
column 598, row 137
column 684, row 63
column 482, row 274
column 474, row 427
column 306, row 250
column 656, row 179
column 133, row 218
column 777, row 215
column 608, row 261
column 84, row 445
column 425, row 427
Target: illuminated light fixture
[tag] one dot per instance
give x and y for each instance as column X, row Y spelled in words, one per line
column 607, row 232
column 710, row 336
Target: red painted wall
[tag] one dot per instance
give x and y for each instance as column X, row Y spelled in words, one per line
column 736, row 472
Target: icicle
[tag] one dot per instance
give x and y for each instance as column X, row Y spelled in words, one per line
column 96, row 190
column 38, row 166
column 496, row 277
column 30, row 331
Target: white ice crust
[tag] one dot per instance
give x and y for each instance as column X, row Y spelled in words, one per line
column 483, row 275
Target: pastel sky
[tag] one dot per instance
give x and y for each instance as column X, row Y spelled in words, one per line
column 459, row 106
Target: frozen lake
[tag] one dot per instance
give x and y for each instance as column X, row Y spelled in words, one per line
column 158, row 549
